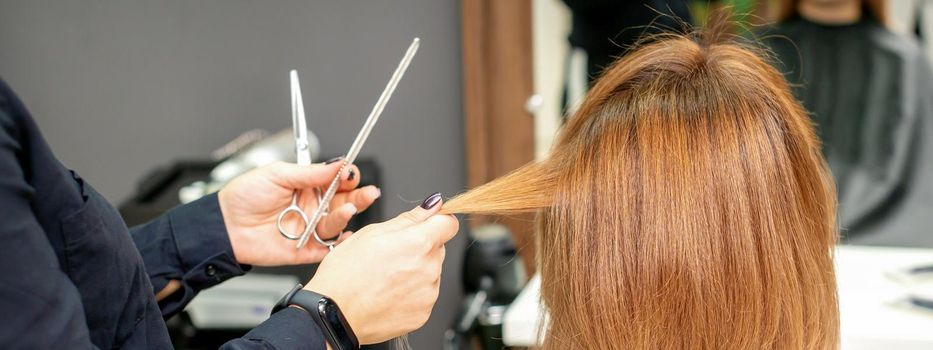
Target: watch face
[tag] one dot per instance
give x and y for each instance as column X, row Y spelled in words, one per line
column 332, row 317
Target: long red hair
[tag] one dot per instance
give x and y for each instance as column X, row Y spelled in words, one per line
column 686, row 205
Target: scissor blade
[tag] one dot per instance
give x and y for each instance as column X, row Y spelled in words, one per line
column 383, row 100
column 361, row 137
column 299, row 123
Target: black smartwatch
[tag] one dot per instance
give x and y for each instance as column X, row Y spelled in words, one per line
column 325, row 313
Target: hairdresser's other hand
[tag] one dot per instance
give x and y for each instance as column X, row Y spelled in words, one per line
column 386, row 277
column 251, row 203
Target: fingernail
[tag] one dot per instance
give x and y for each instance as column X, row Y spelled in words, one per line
column 431, row 201
column 373, row 192
column 351, row 175
column 355, row 211
column 333, row 160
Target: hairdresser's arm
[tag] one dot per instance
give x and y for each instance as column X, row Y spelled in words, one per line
column 385, row 279
column 42, row 308
column 203, row 243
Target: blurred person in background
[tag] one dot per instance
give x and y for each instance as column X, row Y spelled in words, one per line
column 607, row 29
column 870, row 93
column 601, row 31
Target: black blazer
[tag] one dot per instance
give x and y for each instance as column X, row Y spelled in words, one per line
column 74, row 276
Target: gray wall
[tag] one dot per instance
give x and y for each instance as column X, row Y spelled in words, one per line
column 121, row 86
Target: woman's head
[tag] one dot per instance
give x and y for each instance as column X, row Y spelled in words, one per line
column 685, row 205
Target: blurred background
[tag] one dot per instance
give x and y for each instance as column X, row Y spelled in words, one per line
column 158, row 103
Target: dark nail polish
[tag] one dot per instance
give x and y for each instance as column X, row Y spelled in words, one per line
column 351, row 175
column 333, row 160
column 431, row 201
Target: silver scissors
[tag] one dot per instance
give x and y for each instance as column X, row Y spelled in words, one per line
column 303, row 157
column 355, row 149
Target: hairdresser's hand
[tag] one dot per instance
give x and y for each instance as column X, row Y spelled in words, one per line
column 386, row 277
column 251, row 203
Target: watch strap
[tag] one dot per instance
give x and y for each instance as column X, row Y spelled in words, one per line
column 325, row 313
column 284, row 302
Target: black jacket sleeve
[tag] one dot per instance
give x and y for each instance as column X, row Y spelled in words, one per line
column 42, row 309
column 289, row 328
column 189, row 244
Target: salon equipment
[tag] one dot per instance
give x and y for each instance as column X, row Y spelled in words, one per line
column 921, row 302
column 240, row 303
column 260, row 152
column 250, row 150
column 912, row 274
column 493, row 275
column 916, row 282
column 303, row 158
column 355, row 149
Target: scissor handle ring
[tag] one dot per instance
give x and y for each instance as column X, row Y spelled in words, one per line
column 280, row 219
column 329, row 243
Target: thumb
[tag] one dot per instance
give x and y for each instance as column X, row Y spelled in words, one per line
column 428, row 207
